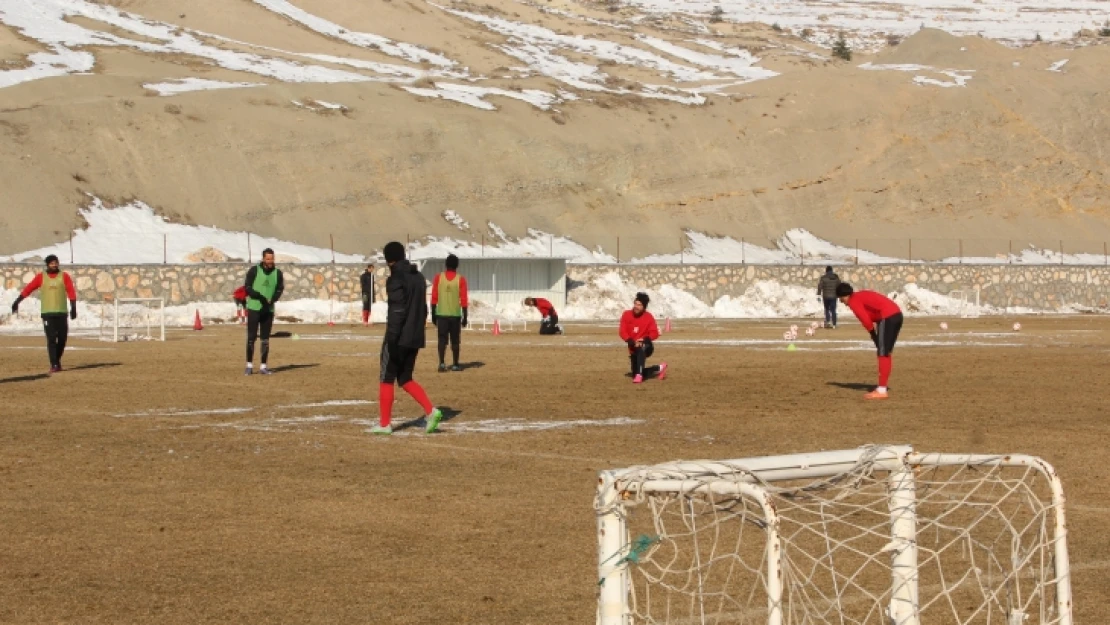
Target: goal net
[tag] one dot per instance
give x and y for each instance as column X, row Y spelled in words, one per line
column 133, row 319
column 968, row 302
column 879, row 535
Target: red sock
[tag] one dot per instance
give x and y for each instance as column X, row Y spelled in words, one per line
column 365, row 316
column 414, row 389
column 885, row 364
column 385, row 403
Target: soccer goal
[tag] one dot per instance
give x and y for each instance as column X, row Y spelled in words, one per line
column 880, row 535
column 133, row 319
column 967, row 301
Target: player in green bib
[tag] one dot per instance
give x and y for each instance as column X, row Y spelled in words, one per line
column 264, row 284
column 449, row 304
column 57, row 288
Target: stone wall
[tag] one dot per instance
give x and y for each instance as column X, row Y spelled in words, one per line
column 215, row 282
column 1044, row 286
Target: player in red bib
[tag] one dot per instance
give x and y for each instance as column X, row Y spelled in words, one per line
column 639, row 331
column 883, row 319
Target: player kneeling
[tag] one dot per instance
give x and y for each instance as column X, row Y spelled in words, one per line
column 639, row 331
column 883, row 319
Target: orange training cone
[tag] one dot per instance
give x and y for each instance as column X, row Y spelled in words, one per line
column 667, row 326
column 496, row 327
column 197, row 325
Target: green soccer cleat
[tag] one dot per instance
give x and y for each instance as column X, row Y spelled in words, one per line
column 433, row 421
column 382, row 431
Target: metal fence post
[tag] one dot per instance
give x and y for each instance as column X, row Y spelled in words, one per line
column 910, row 257
column 165, row 250
column 681, row 251
column 961, row 251
column 743, row 259
column 71, row 247
column 250, row 257
column 857, row 252
column 1010, row 257
column 618, row 250
column 332, row 238
column 1061, row 252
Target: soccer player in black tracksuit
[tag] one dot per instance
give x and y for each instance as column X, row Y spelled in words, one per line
column 366, row 281
column 404, row 338
column 264, row 284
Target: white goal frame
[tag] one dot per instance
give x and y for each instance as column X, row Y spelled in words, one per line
column 969, row 302
column 136, row 300
column 751, row 478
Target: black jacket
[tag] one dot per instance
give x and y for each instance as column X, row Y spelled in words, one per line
column 405, row 290
column 367, row 282
column 278, row 290
column 826, row 286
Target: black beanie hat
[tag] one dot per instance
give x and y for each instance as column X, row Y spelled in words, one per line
column 643, row 298
column 452, row 261
column 393, row 252
column 51, row 259
column 843, row 289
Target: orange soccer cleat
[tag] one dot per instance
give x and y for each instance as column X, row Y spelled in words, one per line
column 876, row 394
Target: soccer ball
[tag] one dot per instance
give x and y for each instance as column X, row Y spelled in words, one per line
column 810, row 331
column 814, row 325
column 787, row 336
column 1017, row 326
column 943, row 325
column 794, row 329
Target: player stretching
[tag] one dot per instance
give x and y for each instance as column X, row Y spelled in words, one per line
column 449, row 304
column 404, row 338
column 639, row 330
column 56, row 287
column 550, row 323
column 883, row 319
column 264, row 285
column 240, row 297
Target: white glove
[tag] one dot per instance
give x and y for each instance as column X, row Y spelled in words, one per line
column 546, row 319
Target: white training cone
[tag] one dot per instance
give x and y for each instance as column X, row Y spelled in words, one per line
column 810, row 331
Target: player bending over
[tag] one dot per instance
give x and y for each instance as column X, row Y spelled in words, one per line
column 883, row 319
column 639, row 330
column 550, row 323
column 404, row 338
column 240, row 297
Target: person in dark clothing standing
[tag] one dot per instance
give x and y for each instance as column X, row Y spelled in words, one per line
column 56, row 287
column 404, row 338
column 449, row 305
column 366, row 280
column 639, row 331
column 550, row 323
column 264, row 284
column 826, row 293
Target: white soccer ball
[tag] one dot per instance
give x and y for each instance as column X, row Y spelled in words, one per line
column 943, row 325
column 794, row 329
column 1017, row 326
column 810, row 331
column 787, row 336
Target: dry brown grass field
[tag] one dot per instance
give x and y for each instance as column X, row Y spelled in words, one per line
column 153, row 483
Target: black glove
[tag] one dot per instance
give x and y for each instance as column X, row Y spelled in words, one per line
column 15, row 304
column 464, row 320
column 631, row 343
column 434, row 314
column 875, row 337
column 73, row 309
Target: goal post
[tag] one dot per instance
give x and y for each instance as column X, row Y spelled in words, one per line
column 879, row 535
column 147, row 313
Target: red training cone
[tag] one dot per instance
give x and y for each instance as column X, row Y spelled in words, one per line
column 667, row 326
column 496, row 327
column 197, row 325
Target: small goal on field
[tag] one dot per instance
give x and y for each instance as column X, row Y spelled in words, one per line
column 968, row 302
column 133, row 319
column 880, row 535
